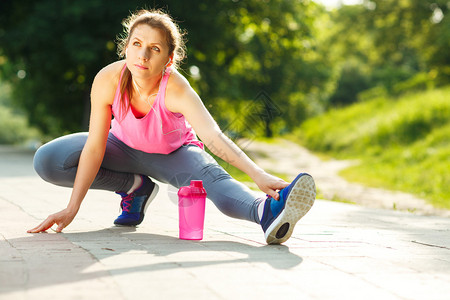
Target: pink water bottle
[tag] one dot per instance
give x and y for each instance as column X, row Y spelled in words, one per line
column 191, row 210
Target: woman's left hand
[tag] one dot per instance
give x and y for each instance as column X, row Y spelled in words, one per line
column 270, row 184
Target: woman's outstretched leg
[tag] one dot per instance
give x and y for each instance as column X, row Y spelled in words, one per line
column 192, row 163
column 277, row 217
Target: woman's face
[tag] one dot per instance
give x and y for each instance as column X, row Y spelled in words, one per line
column 147, row 52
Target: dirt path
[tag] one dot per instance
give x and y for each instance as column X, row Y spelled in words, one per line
column 289, row 158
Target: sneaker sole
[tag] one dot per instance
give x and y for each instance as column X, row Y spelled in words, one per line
column 299, row 202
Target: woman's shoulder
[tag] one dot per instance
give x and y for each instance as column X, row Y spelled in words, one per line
column 179, row 92
column 106, row 82
column 111, row 72
column 177, row 84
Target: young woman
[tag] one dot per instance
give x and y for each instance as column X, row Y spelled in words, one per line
column 152, row 135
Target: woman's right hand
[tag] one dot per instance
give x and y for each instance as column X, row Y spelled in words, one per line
column 62, row 219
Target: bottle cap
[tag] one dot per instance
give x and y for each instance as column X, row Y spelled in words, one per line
column 197, row 183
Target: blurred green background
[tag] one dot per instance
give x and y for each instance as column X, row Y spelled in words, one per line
column 368, row 81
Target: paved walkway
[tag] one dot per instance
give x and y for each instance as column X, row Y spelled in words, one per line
column 337, row 251
column 289, row 157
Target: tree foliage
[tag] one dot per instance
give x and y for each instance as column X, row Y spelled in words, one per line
column 280, row 60
column 58, row 46
column 240, row 48
column 388, row 42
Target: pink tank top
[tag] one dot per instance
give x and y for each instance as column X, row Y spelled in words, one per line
column 159, row 131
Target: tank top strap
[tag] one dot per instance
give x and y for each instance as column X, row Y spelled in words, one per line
column 160, row 101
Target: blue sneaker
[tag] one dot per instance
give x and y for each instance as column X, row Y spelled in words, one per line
column 135, row 204
column 279, row 217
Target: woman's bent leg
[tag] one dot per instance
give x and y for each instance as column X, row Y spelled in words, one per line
column 57, row 163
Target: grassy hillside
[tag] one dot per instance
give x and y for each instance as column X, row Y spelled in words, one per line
column 403, row 143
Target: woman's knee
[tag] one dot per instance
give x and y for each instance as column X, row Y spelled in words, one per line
column 44, row 163
column 52, row 160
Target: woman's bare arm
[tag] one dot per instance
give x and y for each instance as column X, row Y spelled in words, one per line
column 183, row 99
column 102, row 95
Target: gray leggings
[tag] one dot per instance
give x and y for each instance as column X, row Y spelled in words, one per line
column 57, row 162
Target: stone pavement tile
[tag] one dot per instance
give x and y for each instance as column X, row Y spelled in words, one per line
column 335, row 285
column 242, row 281
column 337, row 251
column 427, row 264
column 411, row 285
column 246, row 245
column 42, row 266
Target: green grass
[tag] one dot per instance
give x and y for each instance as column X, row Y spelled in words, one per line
column 403, row 143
